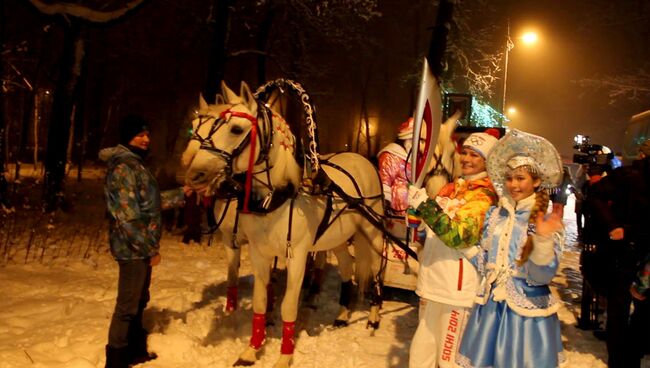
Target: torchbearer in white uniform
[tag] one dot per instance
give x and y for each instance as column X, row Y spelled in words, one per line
column 447, row 282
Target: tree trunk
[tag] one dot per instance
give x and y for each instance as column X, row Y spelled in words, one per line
column 262, row 42
column 80, row 122
column 59, row 128
column 218, row 52
column 3, row 123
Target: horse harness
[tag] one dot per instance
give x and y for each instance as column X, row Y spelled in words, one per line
column 277, row 196
column 440, row 169
column 264, row 134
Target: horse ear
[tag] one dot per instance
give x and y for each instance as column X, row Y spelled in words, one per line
column 228, row 94
column 449, row 126
column 249, row 99
column 220, row 100
column 203, row 105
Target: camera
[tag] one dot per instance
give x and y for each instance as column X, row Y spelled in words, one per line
column 589, row 153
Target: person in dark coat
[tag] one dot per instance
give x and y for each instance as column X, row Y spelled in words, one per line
column 134, row 204
column 620, row 203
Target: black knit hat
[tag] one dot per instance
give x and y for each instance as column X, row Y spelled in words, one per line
column 130, row 126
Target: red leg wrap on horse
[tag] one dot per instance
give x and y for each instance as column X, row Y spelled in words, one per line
column 231, row 298
column 259, row 330
column 288, row 342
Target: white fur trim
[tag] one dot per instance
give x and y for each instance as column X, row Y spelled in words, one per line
column 395, row 149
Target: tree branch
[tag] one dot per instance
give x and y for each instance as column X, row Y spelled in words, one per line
column 79, row 11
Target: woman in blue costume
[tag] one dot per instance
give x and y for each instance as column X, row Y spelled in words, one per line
column 514, row 323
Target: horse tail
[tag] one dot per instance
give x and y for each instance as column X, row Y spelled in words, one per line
column 365, row 257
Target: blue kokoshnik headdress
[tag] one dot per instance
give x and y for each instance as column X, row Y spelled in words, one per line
column 518, row 149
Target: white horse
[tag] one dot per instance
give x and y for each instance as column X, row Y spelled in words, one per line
column 236, row 140
column 225, row 216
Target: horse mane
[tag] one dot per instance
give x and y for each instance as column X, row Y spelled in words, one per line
column 284, row 168
column 446, row 151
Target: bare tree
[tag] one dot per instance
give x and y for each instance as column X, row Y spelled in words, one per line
column 290, row 33
column 3, row 124
column 220, row 18
column 629, row 23
column 476, row 49
column 633, row 86
column 74, row 18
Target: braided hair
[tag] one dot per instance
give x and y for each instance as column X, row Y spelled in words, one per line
column 539, row 209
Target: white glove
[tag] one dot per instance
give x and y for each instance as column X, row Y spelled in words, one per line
column 543, row 250
column 417, row 196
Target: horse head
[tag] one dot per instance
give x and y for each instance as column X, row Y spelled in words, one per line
column 445, row 165
column 235, row 136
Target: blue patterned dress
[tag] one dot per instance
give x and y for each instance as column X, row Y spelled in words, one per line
column 514, row 323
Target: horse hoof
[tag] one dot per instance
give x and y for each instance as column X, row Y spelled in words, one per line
column 340, row 323
column 373, row 325
column 284, row 361
column 247, row 358
column 243, row 363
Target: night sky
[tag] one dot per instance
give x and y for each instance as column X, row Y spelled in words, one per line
column 154, row 62
column 578, row 39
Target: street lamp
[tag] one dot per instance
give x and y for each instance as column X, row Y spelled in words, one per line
column 527, row 38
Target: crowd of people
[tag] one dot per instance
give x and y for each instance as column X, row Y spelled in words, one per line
column 616, row 235
column 492, row 249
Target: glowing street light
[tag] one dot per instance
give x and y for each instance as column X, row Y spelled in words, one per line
column 512, row 111
column 528, row 38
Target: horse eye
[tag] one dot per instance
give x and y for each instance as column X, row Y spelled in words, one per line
column 236, row 130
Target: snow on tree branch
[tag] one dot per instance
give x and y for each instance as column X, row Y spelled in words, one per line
column 84, row 12
column 632, row 86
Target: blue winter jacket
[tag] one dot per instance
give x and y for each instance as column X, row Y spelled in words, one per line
column 134, row 204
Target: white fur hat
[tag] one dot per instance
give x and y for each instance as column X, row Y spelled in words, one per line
column 482, row 143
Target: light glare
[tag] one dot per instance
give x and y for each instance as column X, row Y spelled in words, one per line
column 529, row 38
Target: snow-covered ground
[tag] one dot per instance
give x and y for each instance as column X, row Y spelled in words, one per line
column 56, row 304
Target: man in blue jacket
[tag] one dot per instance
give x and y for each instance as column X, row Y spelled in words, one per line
column 134, row 205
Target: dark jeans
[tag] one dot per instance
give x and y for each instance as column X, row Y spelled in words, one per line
column 625, row 334
column 132, row 298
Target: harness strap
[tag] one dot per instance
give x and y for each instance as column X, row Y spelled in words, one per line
column 373, row 217
column 342, row 170
column 251, row 163
column 325, row 221
column 234, row 232
column 289, row 250
column 217, row 225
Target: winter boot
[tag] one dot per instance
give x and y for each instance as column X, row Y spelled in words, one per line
column 117, row 357
column 138, row 352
